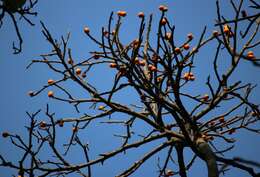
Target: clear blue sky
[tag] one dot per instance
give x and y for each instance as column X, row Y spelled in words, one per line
column 62, row 16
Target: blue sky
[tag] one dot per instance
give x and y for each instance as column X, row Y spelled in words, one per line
column 62, row 16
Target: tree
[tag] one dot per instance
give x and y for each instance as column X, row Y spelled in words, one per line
column 157, row 72
column 12, row 7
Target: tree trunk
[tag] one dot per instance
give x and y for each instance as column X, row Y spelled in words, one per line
column 209, row 157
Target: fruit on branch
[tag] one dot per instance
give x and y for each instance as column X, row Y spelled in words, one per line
column 140, row 15
column 190, row 36
column 152, row 68
column 96, row 56
column 13, row 5
column 50, row 94
column 186, row 46
column 112, row 65
column 136, row 61
column 215, row 33
column 60, row 122
column 189, row 76
column 86, row 30
column 212, row 123
column 5, row 134
column 231, row 131
column 84, row 75
column 250, row 55
column 42, row 125
column 226, row 29
column 78, row 71
column 50, row 81
column 121, row 13
column 163, row 21
column 142, row 62
column 136, row 43
column 105, row 33
column 74, row 129
column 169, row 173
column 159, row 79
column 205, row 97
column 222, row 119
column 70, row 61
column 31, row 93
column 163, row 8
column 101, row 108
column 168, row 35
column 177, row 50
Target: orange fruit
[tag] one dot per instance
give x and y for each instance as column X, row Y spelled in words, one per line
column 186, row 46
column 113, row 65
column 86, row 30
column 50, row 94
column 140, row 15
column 101, row 107
column 205, row 97
column 226, row 29
column 152, row 68
column 222, row 119
column 141, row 62
column 163, row 21
column 169, row 173
column 74, row 129
column 70, row 61
column 78, row 71
column 163, row 8
column 177, row 50
column 43, row 124
column 31, row 93
column 168, row 36
column 121, row 13
column 215, row 33
column 190, row 36
column 50, row 81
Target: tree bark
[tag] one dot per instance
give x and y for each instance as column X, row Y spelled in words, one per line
column 209, row 157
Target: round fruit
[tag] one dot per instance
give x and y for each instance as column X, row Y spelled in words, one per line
column 177, row 50
column 222, row 119
column 113, row 65
column 168, row 36
column 5, row 134
column 163, row 8
column 163, row 21
column 141, row 62
column 50, row 81
column 86, row 30
column 70, row 61
column 186, row 46
column 43, row 124
column 190, row 36
column 140, row 15
column 50, row 94
column 31, row 93
column 152, row 68
column 78, row 71
column 215, row 33
column 121, row 13
column 226, row 29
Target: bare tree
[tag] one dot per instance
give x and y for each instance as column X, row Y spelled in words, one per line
column 158, row 74
column 14, row 8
